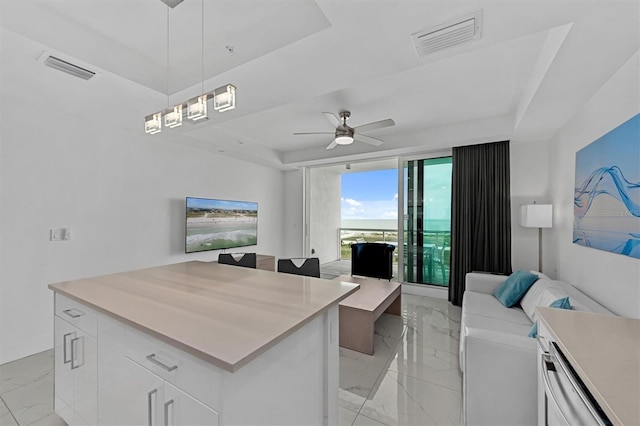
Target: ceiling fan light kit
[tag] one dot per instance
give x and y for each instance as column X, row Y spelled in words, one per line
column 344, row 140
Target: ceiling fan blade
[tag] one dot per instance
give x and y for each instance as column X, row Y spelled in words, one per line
column 332, row 144
column 314, row 133
column 375, row 125
column 335, row 121
column 368, row 139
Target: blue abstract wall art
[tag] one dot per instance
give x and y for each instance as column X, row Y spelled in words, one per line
column 606, row 201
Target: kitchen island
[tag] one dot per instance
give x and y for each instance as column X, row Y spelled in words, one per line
column 197, row 343
column 604, row 352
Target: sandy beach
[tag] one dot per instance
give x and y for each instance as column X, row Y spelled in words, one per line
column 240, row 219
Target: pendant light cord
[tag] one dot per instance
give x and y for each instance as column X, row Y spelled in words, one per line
column 167, row 56
column 202, row 44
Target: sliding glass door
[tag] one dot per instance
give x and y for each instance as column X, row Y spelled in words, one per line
column 427, row 221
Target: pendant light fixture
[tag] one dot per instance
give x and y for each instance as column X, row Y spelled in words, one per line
column 224, row 98
column 173, row 115
column 197, row 107
column 153, row 123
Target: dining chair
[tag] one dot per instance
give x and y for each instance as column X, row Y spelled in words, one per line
column 248, row 260
column 310, row 266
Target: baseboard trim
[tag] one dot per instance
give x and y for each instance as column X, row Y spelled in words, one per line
column 426, row 290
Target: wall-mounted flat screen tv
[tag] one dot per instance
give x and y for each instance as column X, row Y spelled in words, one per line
column 220, row 224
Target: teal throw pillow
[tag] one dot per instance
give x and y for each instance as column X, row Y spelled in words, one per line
column 513, row 289
column 560, row 303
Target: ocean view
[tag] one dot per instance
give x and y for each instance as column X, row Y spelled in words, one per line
column 387, row 224
column 392, row 224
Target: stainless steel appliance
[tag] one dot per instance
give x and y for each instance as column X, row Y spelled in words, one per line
column 565, row 400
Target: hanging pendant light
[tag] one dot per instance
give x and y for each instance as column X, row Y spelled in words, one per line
column 224, row 98
column 197, row 108
column 173, row 117
column 153, row 123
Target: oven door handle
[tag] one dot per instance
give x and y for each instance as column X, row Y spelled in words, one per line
column 585, row 399
column 548, row 390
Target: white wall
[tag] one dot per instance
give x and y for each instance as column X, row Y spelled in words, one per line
column 121, row 192
column 529, row 182
column 293, row 214
column 611, row 279
column 324, row 214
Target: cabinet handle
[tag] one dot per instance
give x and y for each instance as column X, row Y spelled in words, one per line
column 153, row 359
column 577, row 387
column 73, row 313
column 548, row 365
column 74, row 352
column 166, row 412
column 64, row 347
column 149, row 406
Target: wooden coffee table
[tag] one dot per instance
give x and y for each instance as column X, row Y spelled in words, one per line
column 359, row 312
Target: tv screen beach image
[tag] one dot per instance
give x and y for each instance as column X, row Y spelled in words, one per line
column 220, row 224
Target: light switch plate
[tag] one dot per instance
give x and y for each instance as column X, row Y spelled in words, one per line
column 60, row 234
column 55, row 234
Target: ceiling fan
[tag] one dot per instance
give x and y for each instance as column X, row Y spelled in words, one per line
column 345, row 135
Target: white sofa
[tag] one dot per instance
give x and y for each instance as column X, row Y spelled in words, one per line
column 497, row 359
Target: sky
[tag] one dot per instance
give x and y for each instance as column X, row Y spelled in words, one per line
column 370, row 195
column 220, row 204
column 374, row 194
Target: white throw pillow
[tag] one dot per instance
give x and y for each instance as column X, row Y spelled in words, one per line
column 542, row 293
column 541, row 275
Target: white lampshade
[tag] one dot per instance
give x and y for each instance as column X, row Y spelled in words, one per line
column 536, row 215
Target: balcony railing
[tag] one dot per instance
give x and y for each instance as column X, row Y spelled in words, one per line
column 434, row 253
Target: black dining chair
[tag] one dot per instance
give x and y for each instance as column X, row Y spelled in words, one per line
column 248, row 260
column 310, row 267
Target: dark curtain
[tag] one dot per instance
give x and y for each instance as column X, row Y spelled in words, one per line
column 481, row 213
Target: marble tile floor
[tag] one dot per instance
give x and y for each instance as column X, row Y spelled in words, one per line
column 26, row 392
column 413, row 377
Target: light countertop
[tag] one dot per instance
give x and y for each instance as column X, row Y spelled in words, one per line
column 604, row 350
column 226, row 315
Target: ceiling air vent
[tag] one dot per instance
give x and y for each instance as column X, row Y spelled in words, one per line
column 448, row 35
column 68, row 67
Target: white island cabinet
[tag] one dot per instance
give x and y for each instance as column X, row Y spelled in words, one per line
column 75, row 364
column 198, row 344
column 588, row 368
